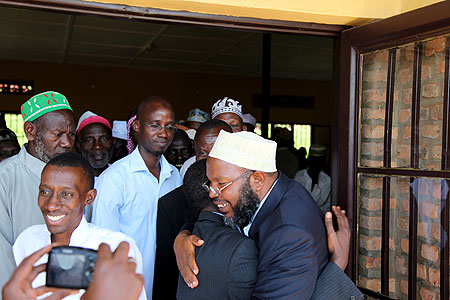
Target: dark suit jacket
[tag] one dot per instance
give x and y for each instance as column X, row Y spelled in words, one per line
column 172, row 214
column 333, row 283
column 227, row 262
column 291, row 238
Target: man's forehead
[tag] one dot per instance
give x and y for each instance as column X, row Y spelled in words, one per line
column 216, row 169
column 58, row 118
column 95, row 128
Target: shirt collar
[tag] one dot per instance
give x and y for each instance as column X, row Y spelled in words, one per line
column 34, row 164
column 137, row 164
column 247, row 228
column 79, row 234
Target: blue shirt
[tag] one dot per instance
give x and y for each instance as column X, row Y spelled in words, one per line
column 127, row 201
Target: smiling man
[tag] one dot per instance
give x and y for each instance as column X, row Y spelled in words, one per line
column 50, row 129
column 273, row 210
column 67, row 186
column 95, row 141
column 129, row 190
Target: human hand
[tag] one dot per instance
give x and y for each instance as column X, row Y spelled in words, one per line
column 184, row 248
column 338, row 241
column 115, row 276
column 19, row 285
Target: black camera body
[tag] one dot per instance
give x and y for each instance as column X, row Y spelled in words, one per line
column 70, row 267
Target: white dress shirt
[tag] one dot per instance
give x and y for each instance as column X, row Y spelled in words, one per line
column 86, row 235
column 127, row 201
column 321, row 192
column 20, row 176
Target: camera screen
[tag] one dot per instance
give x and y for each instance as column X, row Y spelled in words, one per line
column 67, row 268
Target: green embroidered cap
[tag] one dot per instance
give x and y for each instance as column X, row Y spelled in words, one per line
column 43, row 103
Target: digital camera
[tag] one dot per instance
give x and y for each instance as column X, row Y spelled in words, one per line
column 70, row 267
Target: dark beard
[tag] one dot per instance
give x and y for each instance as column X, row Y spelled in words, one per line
column 245, row 209
column 41, row 150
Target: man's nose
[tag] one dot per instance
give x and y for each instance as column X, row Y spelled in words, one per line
column 98, row 144
column 66, row 141
column 53, row 203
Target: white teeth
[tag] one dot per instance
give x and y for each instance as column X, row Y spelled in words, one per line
column 55, row 218
column 222, row 205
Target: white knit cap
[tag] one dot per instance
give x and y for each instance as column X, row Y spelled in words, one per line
column 119, row 129
column 191, row 133
column 226, row 105
column 245, row 149
column 249, row 119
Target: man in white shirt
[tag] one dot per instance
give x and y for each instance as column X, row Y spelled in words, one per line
column 128, row 191
column 67, row 186
column 50, row 129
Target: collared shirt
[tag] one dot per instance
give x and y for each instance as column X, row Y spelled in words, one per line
column 247, row 228
column 86, row 235
column 186, row 165
column 20, row 176
column 321, row 192
column 127, row 201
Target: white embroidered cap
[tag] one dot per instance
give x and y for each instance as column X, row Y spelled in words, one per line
column 226, row 105
column 245, row 149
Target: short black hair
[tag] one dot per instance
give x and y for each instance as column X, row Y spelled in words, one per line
column 75, row 160
column 213, row 124
column 196, row 197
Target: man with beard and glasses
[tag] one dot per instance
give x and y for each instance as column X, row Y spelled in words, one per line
column 50, row 129
column 228, row 272
column 128, row 191
column 273, row 210
column 228, row 260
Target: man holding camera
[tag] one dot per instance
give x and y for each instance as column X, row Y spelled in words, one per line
column 67, row 186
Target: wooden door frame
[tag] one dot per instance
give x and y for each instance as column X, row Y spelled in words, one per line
column 409, row 27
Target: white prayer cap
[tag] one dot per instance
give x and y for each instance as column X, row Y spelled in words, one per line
column 226, row 105
column 245, row 149
column 191, row 133
column 84, row 116
column 317, row 150
column 249, row 119
column 119, row 129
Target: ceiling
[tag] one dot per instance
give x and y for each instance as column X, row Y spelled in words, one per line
column 30, row 35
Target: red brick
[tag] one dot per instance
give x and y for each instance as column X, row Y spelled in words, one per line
column 436, row 232
column 371, row 204
column 371, row 243
column 421, row 271
column 404, row 244
column 422, row 229
column 430, row 209
column 427, row 294
column 380, row 75
column 429, row 252
column 402, row 223
column 392, row 284
column 430, row 131
column 404, row 115
column 373, row 113
column 436, row 151
column 404, row 286
column 409, row 51
column 401, row 266
column 382, row 56
column 371, row 262
column 405, row 205
column 426, row 72
column 372, row 183
column 434, row 276
column 436, row 112
column 371, row 223
column 430, row 90
column 394, row 133
column 392, row 203
column 404, row 76
column 433, row 46
column 407, row 133
column 391, row 244
column 371, row 284
column 407, row 96
column 373, row 132
column 440, row 67
column 403, row 152
column 374, row 96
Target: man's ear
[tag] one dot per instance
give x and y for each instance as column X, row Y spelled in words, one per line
column 136, row 125
column 91, row 194
column 257, row 180
column 30, row 130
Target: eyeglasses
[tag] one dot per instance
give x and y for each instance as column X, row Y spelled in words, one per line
column 156, row 127
column 218, row 191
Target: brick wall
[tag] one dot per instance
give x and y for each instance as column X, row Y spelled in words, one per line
column 427, row 192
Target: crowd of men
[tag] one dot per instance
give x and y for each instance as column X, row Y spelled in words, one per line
column 202, row 208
